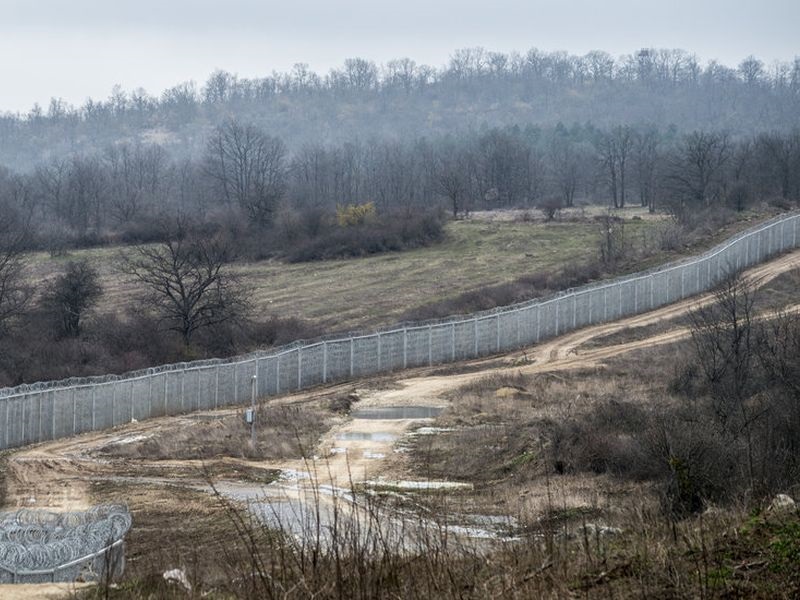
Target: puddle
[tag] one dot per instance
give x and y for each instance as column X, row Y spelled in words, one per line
column 418, row 485
column 377, row 436
column 292, row 475
column 431, row 430
column 398, row 412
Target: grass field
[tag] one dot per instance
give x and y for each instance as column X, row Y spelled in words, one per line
column 361, row 293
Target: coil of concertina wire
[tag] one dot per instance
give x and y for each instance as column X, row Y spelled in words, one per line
column 38, row 546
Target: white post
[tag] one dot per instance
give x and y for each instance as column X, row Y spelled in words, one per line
column 216, row 388
column 574, row 310
column 183, row 390
column 299, row 368
column 324, row 362
column 452, row 342
column 683, row 288
column 497, row 328
column 131, row 401
column 253, row 408
column 277, row 374
column 556, row 304
column 166, row 381
column 379, row 352
column 93, row 409
column 351, row 357
column 475, row 328
column 538, row 322
column 74, row 414
column 430, row 345
column 405, row 348
column 605, row 303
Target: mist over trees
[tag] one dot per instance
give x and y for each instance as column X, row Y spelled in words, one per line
column 403, row 100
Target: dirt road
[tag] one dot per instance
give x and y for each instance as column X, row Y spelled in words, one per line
column 58, row 475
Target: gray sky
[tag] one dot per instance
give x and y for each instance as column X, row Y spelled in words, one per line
column 76, row 49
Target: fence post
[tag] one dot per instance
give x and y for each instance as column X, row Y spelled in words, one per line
column 299, row 367
column 683, row 282
column 405, row 348
column 538, row 322
column 452, row 342
column 518, row 317
column 379, row 352
column 166, row 382
column 605, row 303
column 475, row 328
column 325, row 362
column 794, row 237
column 52, row 415
column 497, row 330
column 113, row 403
column 758, row 246
column 619, row 287
column 5, row 401
column 635, row 296
column 183, row 390
column 216, row 388
column 574, row 310
column 277, row 374
column 235, row 384
column 24, row 404
column 74, row 414
column 351, row 357
column 149, row 395
column 131, row 400
column 747, row 252
column 93, row 408
column 430, row 345
column 557, row 303
column 39, row 432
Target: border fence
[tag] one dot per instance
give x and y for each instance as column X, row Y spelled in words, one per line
column 56, row 409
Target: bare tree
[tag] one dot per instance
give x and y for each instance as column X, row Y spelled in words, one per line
column 187, row 280
column 249, row 169
column 15, row 294
column 72, row 294
column 450, row 179
column 645, row 162
column 725, row 340
column 697, row 168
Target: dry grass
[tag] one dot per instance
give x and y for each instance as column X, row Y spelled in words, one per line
column 283, row 432
column 375, row 290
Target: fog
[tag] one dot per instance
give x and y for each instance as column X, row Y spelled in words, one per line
column 80, row 49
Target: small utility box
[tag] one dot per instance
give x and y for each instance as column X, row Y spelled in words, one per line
column 249, row 416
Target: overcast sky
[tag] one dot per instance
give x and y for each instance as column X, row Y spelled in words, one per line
column 76, row 49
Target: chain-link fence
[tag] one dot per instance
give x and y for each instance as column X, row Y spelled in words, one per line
column 51, row 410
column 38, row 546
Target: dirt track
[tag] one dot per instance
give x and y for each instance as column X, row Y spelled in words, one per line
column 58, row 474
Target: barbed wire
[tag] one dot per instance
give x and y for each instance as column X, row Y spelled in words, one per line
column 35, row 541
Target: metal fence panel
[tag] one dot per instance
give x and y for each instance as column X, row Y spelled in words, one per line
column 39, row 412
